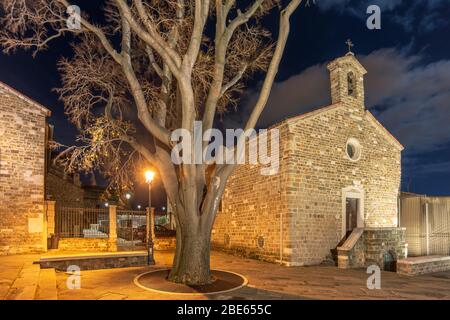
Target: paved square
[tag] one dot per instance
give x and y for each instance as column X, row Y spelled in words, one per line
column 266, row 281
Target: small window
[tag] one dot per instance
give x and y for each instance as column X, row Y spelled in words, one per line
column 353, row 149
column 351, row 84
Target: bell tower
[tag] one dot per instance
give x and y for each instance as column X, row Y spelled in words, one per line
column 347, row 79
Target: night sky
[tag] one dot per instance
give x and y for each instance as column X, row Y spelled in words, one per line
column 407, row 85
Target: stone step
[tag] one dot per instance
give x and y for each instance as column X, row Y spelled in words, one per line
column 25, row 285
column 47, row 285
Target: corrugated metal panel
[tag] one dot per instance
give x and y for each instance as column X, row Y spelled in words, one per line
column 415, row 210
column 411, row 217
column 439, row 222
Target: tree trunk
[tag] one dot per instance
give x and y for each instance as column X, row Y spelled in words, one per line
column 191, row 263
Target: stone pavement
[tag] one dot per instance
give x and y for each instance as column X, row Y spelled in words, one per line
column 266, row 281
column 18, row 277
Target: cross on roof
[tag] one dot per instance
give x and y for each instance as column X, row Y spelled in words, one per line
column 350, row 45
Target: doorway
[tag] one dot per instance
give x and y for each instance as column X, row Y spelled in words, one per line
column 351, row 214
column 352, row 209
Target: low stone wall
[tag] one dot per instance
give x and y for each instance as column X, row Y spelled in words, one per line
column 423, row 265
column 371, row 247
column 96, row 261
column 382, row 240
column 165, row 243
column 84, row 244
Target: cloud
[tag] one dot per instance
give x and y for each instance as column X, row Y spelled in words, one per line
column 354, row 6
column 410, row 98
column 423, row 15
column 421, row 169
column 298, row 94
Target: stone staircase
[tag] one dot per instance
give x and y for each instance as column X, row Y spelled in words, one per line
column 33, row 283
column 351, row 252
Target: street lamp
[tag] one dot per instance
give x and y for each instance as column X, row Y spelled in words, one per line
column 139, row 207
column 128, row 197
column 149, row 176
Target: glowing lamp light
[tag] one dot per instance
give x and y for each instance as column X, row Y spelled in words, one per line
column 128, row 196
column 149, row 176
column 139, row 207
column 106, row 204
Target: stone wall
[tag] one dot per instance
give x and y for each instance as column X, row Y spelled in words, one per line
column 83, row 244
column 254, row 219
column 379, row 241
column 423, row 265
column 164, row 243
column 22, row 165
column 371, row 247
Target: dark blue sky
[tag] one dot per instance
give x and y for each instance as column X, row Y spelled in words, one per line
column 407, row 87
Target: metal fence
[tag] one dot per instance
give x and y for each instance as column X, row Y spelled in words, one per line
column 131, row 228
column 427, row 223
column 81, row 222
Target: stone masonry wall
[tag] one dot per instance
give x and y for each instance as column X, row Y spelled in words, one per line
column 164, row 243
column 22, row 162
column 254, row 208
column 372, row 246
column 83, row 244
column 378, row 241
column 423, row 265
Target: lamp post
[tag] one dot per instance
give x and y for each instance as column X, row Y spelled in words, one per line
column 149, row 176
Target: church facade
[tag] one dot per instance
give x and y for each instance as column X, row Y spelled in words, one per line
column 335, row 196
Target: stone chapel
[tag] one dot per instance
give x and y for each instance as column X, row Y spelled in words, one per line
column 335, row 196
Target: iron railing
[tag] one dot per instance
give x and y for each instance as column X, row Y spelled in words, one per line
column 131, row 228
column 82, row 222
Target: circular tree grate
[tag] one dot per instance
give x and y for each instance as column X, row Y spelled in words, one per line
column 156, row 281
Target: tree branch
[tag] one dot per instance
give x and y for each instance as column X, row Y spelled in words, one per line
column 235, row 79
column 274, row 64
column 158, row 131
column 155, row 41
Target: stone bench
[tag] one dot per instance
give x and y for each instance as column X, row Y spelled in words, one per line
column 423, row 265
column 94, row 261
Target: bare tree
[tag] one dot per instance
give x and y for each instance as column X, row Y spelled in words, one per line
column 148, row 68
